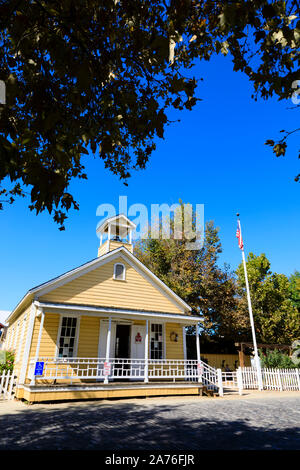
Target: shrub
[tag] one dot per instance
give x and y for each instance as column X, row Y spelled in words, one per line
column 276, row 359
column 8, row 362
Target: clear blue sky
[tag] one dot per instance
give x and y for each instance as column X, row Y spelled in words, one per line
column 215, row 156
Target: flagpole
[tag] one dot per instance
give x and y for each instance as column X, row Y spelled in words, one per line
column 256, row 356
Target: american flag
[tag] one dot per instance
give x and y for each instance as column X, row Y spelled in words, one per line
column 239, row 237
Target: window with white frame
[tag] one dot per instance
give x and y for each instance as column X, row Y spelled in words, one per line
column 156, row 341
column 66, row 344
column 119, row 272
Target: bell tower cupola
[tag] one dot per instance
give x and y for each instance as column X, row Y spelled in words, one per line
column 115, row 232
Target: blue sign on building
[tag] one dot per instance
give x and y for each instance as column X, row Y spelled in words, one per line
column 39, row 368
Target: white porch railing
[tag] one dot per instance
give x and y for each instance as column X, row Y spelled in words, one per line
column 133, row 369
column 211, row 377
column 152, row 369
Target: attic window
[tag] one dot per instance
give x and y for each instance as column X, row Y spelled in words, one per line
column 119, row 272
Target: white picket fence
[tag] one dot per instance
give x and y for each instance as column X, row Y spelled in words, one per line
column 272, row 379
column 245, row 378
column 7, row 385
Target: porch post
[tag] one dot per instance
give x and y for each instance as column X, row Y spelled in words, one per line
column 187, row 370
column 26, row 352
column 107, row 347
column 239, row 376
column 198, row 352
column 220, row 383
column 37, row 351
column 146, row 379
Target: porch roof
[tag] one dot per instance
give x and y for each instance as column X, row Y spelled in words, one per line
column 117, row 312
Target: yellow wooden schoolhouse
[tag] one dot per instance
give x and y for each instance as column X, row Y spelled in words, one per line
column 108, row 328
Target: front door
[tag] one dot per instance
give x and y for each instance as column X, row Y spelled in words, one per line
column 127, row 343
column 138, row 342
column 138, row 333
column 122, row 342
column 122, row 351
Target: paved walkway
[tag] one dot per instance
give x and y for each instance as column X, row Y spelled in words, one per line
column 257, row 420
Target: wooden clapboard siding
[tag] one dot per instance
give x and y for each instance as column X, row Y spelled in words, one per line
column 27, row 313
column 16, row 338
column 140, row 322
column 88, row 341
column 21, row 339
column 174, row 349
column 88, row 337
column 113, row 245
column 99, row 288
column 34, row 338
column 215, row 360
column 49, row 336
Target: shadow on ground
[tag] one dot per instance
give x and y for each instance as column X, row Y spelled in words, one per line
column 130, row 426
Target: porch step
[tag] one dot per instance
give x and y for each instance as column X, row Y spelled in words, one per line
column 230, row 390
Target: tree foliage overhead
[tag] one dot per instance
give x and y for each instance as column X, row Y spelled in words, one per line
column 219, row 295
column 100, row 75
column 195, row 276
column 276, row 318
column 295, row 289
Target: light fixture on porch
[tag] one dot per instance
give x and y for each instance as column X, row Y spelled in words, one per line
column 174, row 336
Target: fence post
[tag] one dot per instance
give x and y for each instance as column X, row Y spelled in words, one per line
column 11, row 385
column 239, row 377
column 298, row 378
column 279, row 379
column 259, row 376
column 6, row 383
column 220, row 383
column 2, row 383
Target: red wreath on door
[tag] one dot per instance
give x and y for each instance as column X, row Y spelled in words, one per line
column 138, row 338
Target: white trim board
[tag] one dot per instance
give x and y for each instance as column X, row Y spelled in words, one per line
column 116, row 313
